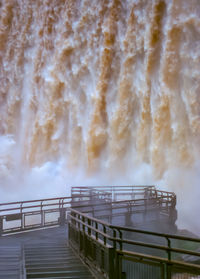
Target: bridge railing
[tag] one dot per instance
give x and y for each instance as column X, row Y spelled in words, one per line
column 115, row 192
column 138, row 202
column 33, row 214
column 129, row 212
column 115, row 250
column 26, row 215
column 127, row 192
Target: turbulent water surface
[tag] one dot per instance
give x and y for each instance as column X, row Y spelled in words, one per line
column 108, row 88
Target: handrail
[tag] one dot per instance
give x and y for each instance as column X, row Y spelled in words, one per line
column 141, row 255
column 113, row 186
column 49, row 199
column 41, row 201
column 103, row 233
column 63, row 203
column 98, row 230
column 117, row 190
column 172, row 236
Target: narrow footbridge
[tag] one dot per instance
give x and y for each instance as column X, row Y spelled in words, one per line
column 115, row 232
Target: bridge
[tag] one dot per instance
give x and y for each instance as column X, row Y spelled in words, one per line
column 113, row 232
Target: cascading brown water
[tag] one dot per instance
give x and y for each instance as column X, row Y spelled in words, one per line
column 105, row 86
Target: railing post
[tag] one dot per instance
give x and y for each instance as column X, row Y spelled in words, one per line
column 96, row 233
column 104, row 238
column 114, row 241
column 89, row 229
column 23, row 266
column 1, row 225
column 169, row 258
column 118, row 274
column 169, row 248
column 111, row 205
column 79, row 226
column 128, row 215
column 22, row 221
column 62, row 214
column 115, row 263
column 121, row 244
column 84, row 238
column 41, row 212
column 111, row 259
column 83, row 219
column 69, row 227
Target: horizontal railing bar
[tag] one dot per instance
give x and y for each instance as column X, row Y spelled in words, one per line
column 171, row 236
column 79, row 206
column 109, row 191
column 31, row 206
column 113, row 186
column 137, row 230
column 148, row 245
column 159, row 259
column 126, row 188
column 138, row 243
column 159, row 247
column 92, row 228
column 41, row 200
column 120, row 213
column 49, row 199
column 120, row 207
column 37, row 212
column 129, row 204
column 91, row 218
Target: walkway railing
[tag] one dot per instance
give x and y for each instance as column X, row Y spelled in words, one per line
column 115, row 192
column 135, row 203
column 116, row 251
column 34, row 214
column 26, row 215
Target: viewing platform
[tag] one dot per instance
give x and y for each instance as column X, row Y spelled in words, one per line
column 113, row 232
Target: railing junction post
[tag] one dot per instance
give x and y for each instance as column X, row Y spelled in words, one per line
column 89, row 224
column 96, row 233
column 1, row 225
column 21, row 213
column 104, row 238
column 169, row 258
column 62, row 213
column 41, row 212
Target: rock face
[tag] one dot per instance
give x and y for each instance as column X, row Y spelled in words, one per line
column 104, row 84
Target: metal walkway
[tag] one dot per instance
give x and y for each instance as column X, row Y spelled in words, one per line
column 106, row 229
column 40, row 254
column 10, row 261
column 53, row 260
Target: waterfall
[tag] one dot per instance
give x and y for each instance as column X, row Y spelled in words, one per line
column 101, row 91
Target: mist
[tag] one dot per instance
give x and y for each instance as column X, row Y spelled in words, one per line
column 53, row 179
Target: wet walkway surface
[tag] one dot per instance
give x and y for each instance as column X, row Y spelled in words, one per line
column 43, row 235
column 46, row 254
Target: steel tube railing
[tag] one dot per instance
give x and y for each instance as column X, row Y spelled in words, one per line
column 110, row 237
column 119, row 228
column 83, row 219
